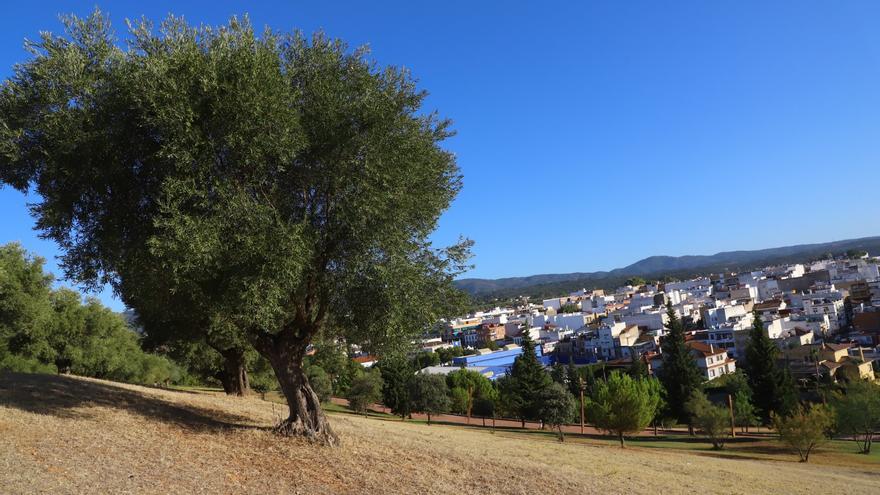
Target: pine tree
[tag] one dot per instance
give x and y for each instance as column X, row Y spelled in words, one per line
column 679, row 374
column 558, row 373
column 638, row 368
column 772, row 388
column 623, row 405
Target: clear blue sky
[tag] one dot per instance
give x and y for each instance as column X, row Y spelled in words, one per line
column 595, row 134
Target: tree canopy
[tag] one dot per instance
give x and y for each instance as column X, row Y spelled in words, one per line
column 622, row 405
column 48, row 330
column 858, row 412
column 287, row 185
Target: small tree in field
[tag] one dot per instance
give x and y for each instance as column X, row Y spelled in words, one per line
column 365, row 389
column 712, row 420
column 858, row 413
column 429, row 395
column 557, row 408
column 805, row 429
column 622, row 405
column 485, row 407
column 467, row 386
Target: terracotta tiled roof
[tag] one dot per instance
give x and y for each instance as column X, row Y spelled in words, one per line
column 704, row 349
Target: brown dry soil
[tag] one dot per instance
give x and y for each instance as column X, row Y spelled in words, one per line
column 62, row 434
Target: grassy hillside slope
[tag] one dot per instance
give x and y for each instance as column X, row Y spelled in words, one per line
column 73, row 435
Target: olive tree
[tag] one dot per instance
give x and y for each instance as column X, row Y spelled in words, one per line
column 712, row 420
column 804, row 429
column 858, row 412
column 286, row 183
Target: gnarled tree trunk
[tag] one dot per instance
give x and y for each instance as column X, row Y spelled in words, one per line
column 285, row 353
column 234, row 375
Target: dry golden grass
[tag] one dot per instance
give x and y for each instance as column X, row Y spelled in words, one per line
column 75, row 435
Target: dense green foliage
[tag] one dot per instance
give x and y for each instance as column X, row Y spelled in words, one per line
column 520, row 389
column 557, row 408
column 712, row 420
column 622, row 404
column 569, row 308
column 365, row 389
column 858, row 412
column 397, row 374
column 772, row 388
column 636, row 281
column 284, row 186
column 320, row 382
column 46, row 330
column 467, row 387
column 679, row 374
column 804, row 429
column 447, row 353
column 424, row 359
column 429, row 395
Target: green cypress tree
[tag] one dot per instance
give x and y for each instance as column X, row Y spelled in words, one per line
column 521, row 389
column 772, row 388
column 574, row 378
column 679, row 374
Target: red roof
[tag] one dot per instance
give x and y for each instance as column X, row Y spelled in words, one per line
column 704, row 349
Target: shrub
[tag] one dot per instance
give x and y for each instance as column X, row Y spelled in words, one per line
column 712, row 420
column 805, row 429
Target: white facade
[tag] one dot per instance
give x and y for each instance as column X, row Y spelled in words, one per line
column 649, row 321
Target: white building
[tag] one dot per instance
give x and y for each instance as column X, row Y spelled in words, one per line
column 711, row 361
column 654, row 320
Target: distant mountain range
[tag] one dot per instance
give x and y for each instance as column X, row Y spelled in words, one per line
column 656, row 267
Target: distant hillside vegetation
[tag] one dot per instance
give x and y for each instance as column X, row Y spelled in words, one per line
column 657, row 267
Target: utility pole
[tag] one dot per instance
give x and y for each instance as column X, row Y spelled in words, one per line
column 732, row 417
column 581, row 381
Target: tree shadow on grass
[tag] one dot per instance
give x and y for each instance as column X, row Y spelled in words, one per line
column 67, row 397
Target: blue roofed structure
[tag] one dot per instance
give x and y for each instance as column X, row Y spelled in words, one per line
column 496, row 364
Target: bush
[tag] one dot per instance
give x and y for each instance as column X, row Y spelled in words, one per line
column 712, row 420
column 805, row 429
column 21, row 364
